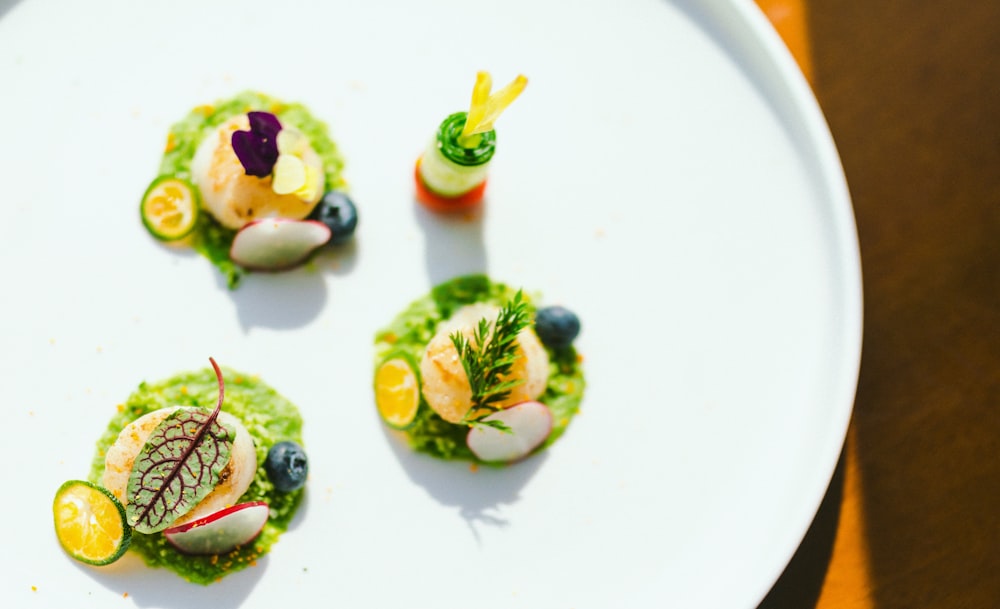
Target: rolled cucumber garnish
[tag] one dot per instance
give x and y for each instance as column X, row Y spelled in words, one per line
column 456, row 161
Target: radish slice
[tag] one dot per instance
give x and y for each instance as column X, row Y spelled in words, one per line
column 277, row 244
column 220, row 532
column 530, row 424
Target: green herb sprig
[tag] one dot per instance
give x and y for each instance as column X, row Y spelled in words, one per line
column 489, row 358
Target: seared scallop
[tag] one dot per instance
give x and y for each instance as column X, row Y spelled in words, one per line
column 234, row 198
column 234, row 480
column 445, row 385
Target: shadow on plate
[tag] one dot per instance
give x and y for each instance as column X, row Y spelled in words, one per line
column 289, row 299
column 802, row 580
column 453, row 243
column 6, row 5
column 479, row 493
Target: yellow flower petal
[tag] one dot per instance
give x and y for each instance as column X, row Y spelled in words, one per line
column 486, row 108
column 289, row 174
column 477, row 109
column 499, row 101
column 291, row 141
column 311, row 187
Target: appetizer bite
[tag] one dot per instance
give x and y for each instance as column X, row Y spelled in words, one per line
column 451, row 173
column 475, row 371
column 253, row 184
column 199, row 473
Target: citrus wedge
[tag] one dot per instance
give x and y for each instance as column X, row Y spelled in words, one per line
column 90, row 523
column 397, row 391
column 170, row 208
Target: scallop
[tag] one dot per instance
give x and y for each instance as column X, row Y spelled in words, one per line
column 445, row 385
column 230, row 195
column 235, row 478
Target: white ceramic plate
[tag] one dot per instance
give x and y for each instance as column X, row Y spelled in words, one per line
column 667, row 174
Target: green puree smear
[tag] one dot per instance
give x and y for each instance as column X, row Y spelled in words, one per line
column 412, row 329
column 211, row 239
column 269, row 418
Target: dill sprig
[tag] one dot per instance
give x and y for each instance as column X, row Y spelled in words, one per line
column 489, row 357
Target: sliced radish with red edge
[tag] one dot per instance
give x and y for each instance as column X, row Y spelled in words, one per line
column 529, row 423
column 277, row 244
column 220, row 532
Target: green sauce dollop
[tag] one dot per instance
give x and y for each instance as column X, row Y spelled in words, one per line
column 269, row 417
column 415, row 326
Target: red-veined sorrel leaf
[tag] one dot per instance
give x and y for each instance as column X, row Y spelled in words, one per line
column 180, row 463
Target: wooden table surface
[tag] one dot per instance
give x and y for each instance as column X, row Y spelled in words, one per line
column 911, row 91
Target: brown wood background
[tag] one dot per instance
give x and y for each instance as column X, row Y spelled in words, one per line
column 911, row 91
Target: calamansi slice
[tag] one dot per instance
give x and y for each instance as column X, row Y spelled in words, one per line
column 170, row 208
column 397, row 391
column 90, row 523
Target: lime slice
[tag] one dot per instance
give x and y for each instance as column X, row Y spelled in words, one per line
column 90, row 523
column 397, row 391
column 170, row 208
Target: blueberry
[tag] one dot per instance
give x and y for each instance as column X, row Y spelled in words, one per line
column 556, row 326
column 337, row 212
column 287, row 466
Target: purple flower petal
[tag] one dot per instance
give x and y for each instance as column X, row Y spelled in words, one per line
column 257, row 155
column 264, row 124
column 257, row 149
